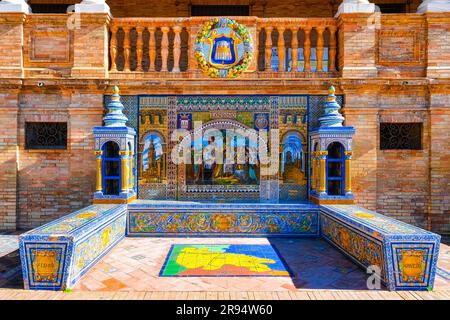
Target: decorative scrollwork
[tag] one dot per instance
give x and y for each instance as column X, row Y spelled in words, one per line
column 46, row 135
column 400, row 136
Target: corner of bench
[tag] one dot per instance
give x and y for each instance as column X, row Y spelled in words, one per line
column 55, row 255
column 406, row 256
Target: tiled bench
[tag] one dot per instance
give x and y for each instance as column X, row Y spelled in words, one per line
column 54, row 256
column 407, row 255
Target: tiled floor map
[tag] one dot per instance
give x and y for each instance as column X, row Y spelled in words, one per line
column 223, row 260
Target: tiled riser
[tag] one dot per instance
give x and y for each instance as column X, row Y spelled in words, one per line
column 223, row 221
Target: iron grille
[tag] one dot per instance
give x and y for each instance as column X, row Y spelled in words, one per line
column 46, row 135
column 400, row 136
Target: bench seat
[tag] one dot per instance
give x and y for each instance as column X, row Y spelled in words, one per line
column 55, row 255
column 406, row 255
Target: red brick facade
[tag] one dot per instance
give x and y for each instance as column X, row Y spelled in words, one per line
column 392, row 68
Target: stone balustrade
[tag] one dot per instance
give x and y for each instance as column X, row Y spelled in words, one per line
column 97, row 46
column 299, row 46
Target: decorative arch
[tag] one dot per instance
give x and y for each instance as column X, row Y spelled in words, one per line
column 152, row 166
column 118, row 141
column 153, row 132
column 222, row 125
column 342, row 142
column 290, row 133
column 292, row 149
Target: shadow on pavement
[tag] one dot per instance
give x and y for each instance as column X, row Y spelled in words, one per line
column 315, row 264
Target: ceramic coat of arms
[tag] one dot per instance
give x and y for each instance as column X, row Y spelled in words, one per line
column 223, row 48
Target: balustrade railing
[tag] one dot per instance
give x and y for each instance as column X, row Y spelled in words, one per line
column 298, row 46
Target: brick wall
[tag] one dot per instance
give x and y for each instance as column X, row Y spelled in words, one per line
column 440, row 161
column 402, row 175
column 365, row 145
column 8, row 160
column 56, row 182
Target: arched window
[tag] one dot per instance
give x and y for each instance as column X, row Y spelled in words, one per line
column 111, row 168
column 335, row 169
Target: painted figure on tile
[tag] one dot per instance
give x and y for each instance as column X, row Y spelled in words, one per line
column 230, row 161
column 209, row 159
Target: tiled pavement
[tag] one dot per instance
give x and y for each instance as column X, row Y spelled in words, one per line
column 130, row 271
column 135, row 264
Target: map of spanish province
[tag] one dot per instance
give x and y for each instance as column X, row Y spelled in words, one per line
column 223, row 260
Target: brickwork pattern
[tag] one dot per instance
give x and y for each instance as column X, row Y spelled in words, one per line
column 405, row 81
column 8, row 160
column 55, row 182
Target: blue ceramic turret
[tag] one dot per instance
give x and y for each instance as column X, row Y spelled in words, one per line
column 115, row 117
column 331, row 116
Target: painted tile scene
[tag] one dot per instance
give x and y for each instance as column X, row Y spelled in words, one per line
column 251, row 149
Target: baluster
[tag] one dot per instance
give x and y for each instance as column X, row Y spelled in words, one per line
column 126, row 48
column 113, row 48
column 192, row 61
column 268, row 47
column 281, row 49
column 151, row 48
column 164, row 48
column 187, row 52
column 332, row 49
column 256, row 54
column 294, row 45
column 139, row 47
column 307, row 49
column 176, row 49
column 319, row 49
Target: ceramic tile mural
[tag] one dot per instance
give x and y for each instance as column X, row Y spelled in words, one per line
column 412, row 264
column 363, row 248
column 92, row 248
column 257, row 219
column 185, row 260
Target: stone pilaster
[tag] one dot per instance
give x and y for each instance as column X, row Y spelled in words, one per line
column 357, row 44
column 8, row 159
column 438, row 50
column 439, row 143
column 11, row 48
column 91, row 49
